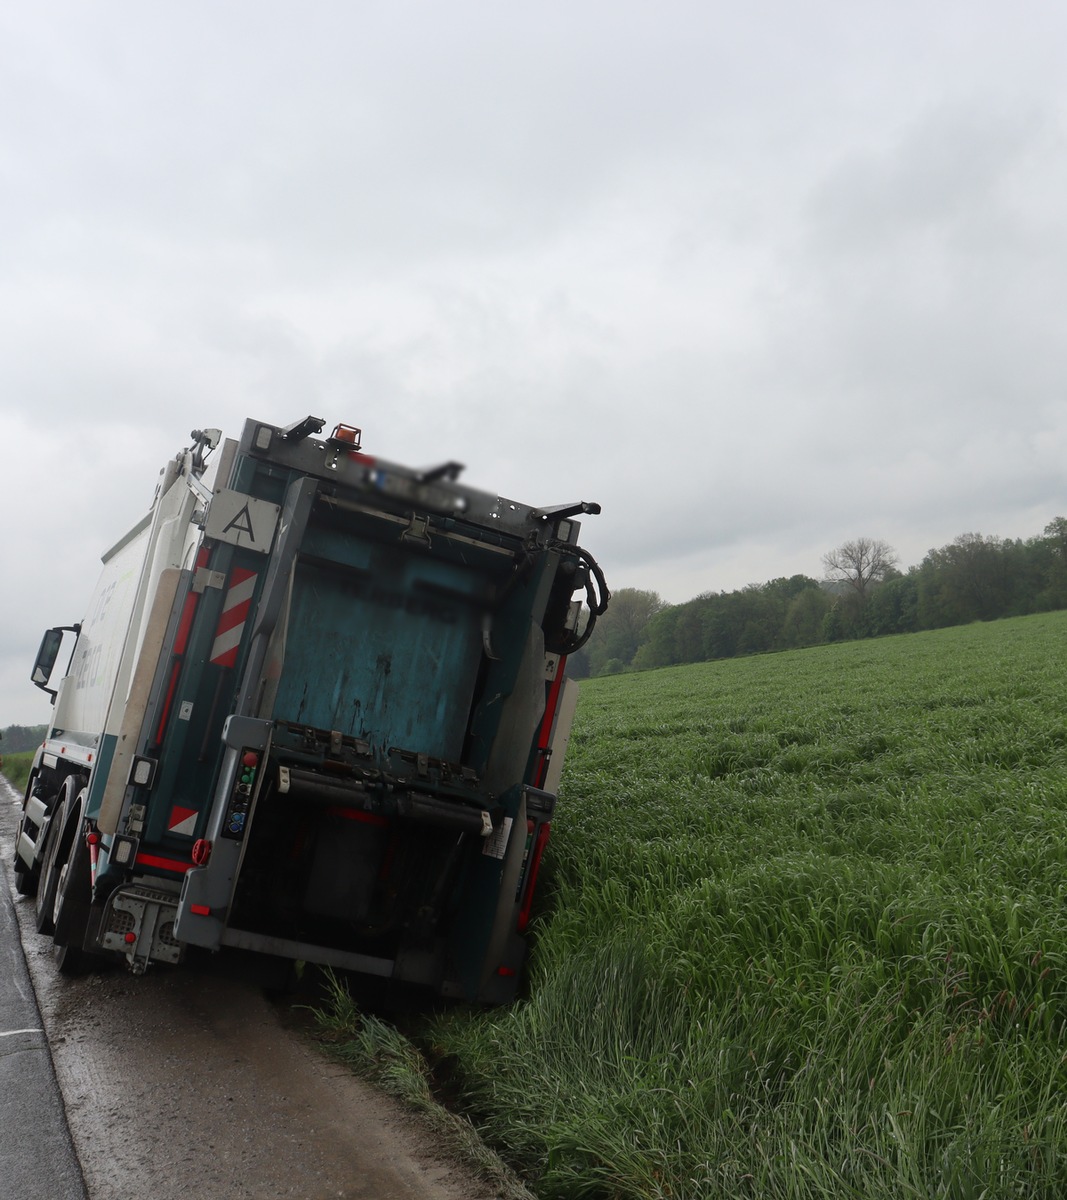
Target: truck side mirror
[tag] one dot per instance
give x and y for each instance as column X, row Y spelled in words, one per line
column 47, row 655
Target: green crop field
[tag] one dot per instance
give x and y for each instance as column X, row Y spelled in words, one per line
column 17, row 768
column 805, row 932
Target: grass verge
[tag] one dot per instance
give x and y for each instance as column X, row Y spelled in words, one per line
column 17, row 768
column 380, row 1053
column 808, row 933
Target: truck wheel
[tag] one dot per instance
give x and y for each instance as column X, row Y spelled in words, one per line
column 56, row 849
column 70, row 913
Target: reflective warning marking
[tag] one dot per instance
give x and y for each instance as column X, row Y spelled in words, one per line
column 162, row 864
column 234, row 614
column 182, row 820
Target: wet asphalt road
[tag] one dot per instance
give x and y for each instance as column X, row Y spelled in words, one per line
column 37, row 1159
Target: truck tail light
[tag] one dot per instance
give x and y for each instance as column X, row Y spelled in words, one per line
column 143, row 773
column 348, row 434
column 124, row 850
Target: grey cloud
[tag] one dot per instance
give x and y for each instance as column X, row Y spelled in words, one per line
column 757, row 279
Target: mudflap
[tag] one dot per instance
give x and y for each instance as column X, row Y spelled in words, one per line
column 485, row 949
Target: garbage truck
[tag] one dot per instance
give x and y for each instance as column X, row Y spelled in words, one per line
column 315, row 711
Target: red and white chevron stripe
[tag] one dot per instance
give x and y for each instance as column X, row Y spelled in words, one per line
column 234, row 614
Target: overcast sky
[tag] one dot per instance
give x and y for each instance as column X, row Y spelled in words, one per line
column 758, row 278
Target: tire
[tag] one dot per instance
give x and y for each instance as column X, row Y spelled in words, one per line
column 56, row 849
column 46, row 883
column 281, row 978
column 70, row 912
column 70, row 960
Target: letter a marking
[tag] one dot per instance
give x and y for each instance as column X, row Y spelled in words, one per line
column 242, row 520
column 241, row 524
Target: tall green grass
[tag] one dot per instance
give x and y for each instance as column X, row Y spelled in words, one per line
column 807, row 932
column 16, row 768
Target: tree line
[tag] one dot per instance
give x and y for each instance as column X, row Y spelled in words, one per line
column 17, row 738
column 862, row 594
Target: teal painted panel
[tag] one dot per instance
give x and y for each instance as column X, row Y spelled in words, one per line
column 388, row 653
column 104, row 756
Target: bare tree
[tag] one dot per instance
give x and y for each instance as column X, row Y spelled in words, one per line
column 860, row 563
